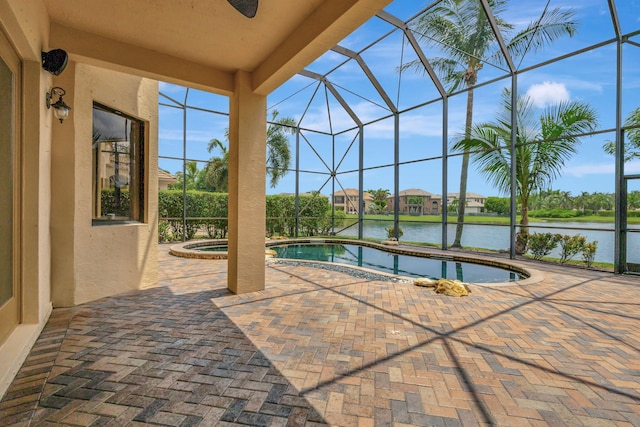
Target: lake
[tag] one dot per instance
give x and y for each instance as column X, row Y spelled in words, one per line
column 496, row 237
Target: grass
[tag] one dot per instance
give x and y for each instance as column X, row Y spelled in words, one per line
column 576, row 262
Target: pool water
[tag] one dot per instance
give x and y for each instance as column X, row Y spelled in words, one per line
column 403, row 265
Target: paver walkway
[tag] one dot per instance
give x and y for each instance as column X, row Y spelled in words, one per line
column 326, row 348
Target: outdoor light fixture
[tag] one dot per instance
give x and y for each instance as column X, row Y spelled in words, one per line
column 60, row 109
column 246, row 7
column 54, row 61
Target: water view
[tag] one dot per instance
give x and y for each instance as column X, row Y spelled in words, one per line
column 496, row 237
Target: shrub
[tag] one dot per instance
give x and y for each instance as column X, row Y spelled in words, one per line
column 391, row 232
column 555, row 213
column 570, row 246
column 541, row 244
column 326, row 223
column 499, row 205
column 589, row 252
column 164, row 231
column 314, row 216
column 630, row 213
column 209, row 211
column 204, row 210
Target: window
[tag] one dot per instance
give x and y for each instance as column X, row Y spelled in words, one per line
column 339, row 199
column 10, row 288
column 118, row 167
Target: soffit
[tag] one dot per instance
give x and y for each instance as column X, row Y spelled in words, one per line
column 212, row 33
column 209, row 32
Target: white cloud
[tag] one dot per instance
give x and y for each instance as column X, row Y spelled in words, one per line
column 548, row 93
column 601, row 169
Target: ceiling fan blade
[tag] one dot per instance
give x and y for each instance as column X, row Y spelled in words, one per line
column 246, row 7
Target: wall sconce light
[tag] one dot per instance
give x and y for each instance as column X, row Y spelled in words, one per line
column 54, row 61
column 60, row 109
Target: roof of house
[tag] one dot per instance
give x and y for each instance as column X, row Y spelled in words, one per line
column 163, row 175
column 469, row 195
column 474, row 204
column 416, row 192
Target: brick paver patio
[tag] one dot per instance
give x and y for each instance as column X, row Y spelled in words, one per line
column 326, row 348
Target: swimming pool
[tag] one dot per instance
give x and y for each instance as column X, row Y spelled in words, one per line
column 399, row 261
column 398, row 264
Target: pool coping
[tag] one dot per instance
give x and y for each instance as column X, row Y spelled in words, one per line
column 189, row 250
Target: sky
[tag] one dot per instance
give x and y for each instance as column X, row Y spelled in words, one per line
column 588, row 77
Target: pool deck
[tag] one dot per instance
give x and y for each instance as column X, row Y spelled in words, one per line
column 318, row 347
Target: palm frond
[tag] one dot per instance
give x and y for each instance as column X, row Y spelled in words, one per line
column 550, row 26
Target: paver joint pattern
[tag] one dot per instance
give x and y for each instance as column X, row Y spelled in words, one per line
column 318, row 347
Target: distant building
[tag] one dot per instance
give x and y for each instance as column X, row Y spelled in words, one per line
column 348, row 200
column 474, row 202
column 165, row 179
column 415, row 201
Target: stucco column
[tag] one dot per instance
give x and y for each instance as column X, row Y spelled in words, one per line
column 247, row 166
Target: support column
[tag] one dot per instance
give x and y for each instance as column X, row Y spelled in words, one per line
column 247, row 181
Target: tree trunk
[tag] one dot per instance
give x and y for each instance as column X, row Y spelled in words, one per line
column 464, row 172
column 522, row 238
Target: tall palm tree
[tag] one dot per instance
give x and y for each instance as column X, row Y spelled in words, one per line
column 544, row 144
column 461, row 29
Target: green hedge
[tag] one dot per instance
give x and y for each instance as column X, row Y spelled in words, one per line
column 205, row 210
column 208, row 212
column 314, row 216
column 108, row 202
column 555, row 213
column 630, row 214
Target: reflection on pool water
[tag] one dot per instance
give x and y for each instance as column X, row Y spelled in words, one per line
column 403, row 265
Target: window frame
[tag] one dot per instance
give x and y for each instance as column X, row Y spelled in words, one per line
column 137, row 187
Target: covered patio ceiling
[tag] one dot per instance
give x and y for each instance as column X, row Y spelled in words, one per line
column 203, row 43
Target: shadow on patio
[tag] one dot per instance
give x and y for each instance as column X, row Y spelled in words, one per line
column 324, row 347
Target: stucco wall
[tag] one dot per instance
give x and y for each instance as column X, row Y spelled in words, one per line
column 92, row 262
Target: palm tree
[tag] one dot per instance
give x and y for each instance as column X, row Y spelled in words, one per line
column 633, row 200
column 216, row 176
column 189, row 179
column 379, row 198
column 544, row 144
column 454, row 206
column 461, row 29
column 278, row 154
column 580, row 202
column 278, row 151
column 632, row 141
